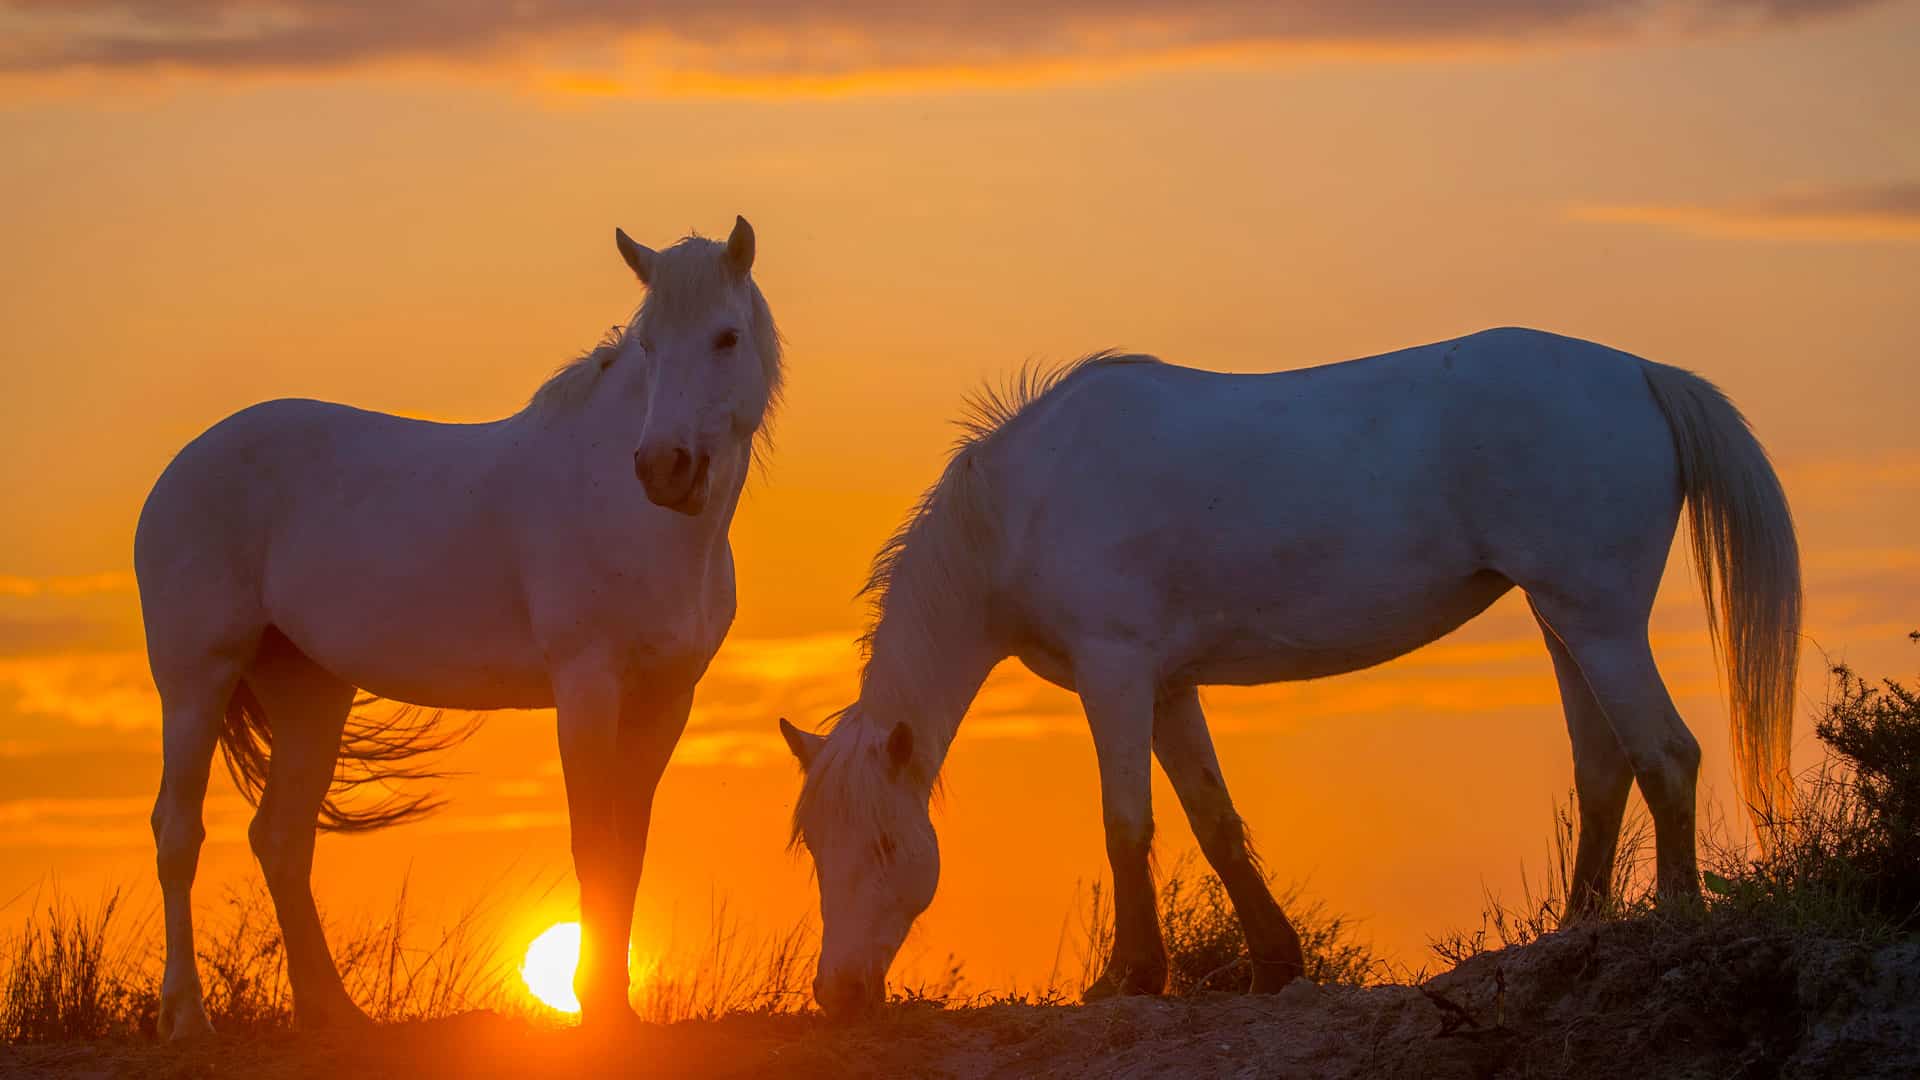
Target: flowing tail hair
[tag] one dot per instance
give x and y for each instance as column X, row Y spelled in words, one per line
column 1748, row 563
column 376, row 751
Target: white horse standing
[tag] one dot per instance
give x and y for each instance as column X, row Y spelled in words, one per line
column 1133, row 530
column 299, row 550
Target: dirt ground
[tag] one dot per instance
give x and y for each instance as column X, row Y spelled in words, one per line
column 1621, row 1000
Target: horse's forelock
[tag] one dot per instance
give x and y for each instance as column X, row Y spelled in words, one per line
column 838, row 794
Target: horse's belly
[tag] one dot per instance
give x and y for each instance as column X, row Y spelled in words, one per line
column 1288, row 643
column 425, row 642
column 463, row 686
column 439, row 667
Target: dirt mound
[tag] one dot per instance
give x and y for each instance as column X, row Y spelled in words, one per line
column 1627, row 999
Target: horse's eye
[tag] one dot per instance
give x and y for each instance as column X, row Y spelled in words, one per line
column 725, row 339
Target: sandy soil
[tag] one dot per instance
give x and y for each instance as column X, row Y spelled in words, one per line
column 1623, row 1000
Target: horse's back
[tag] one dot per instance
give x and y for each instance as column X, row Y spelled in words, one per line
column 1291, row 514
column 226, row 487
column 295, row 512
column 1453, row 419
column 212, row 498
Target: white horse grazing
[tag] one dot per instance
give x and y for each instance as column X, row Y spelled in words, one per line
column 1133, row 530
column 573, row 555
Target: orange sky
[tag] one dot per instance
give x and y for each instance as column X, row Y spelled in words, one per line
column 418, row 219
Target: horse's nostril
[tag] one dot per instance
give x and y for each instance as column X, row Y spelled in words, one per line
column 682, row 462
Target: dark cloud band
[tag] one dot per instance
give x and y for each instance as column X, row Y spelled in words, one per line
column 776, row 39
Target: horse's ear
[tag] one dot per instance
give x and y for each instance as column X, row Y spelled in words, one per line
column 805, row 746
column 740, row 247
column 640, row 259
column 900, row 745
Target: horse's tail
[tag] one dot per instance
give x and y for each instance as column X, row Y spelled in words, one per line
column 382, row 751
column 1748, row 563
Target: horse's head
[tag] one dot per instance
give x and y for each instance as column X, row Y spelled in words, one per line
column 863, row 816
column 712, row 366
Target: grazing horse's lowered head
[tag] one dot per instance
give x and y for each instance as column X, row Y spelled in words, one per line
column 874, row 851
column 711, row 366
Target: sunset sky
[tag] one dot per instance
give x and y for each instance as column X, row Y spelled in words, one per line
column 208, row 204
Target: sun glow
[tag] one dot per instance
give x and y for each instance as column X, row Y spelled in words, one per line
column 549, row 966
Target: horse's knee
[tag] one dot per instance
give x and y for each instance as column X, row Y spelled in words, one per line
column 1128, row 839
column 176, row 841
column 277, row 851
column 1224, row 840
column 1669, row 770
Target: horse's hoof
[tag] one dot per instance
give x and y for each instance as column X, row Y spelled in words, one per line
column 1130, row 983
column 1272, row 976
column 615, row 1019
column 340, row 1015
column 183, row 1019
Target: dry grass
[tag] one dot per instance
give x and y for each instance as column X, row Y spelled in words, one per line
column 729, row 972
column 1206, row 950
column 75, row 973
column 1543, row 894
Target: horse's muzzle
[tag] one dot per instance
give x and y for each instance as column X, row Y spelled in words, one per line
column 847, row 997
column 674, row 477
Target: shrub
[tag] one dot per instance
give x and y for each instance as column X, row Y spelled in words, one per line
column 1875, row 730
column 1206, row 949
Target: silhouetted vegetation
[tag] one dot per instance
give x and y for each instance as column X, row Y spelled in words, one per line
column 730, row 973
column 1842, row 858
column 64, row 983
column 1876, row 731
column 74, row 974
column 1206, row 950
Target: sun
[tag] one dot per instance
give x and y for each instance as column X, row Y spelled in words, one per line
column 548, row 968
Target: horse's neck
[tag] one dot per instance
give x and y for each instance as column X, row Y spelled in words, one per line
column 928, row 662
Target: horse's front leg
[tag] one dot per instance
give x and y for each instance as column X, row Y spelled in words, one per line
column 1185, row 749
column 588, row 695
column 615, row 739
column 1118, row 695
column 649, row 730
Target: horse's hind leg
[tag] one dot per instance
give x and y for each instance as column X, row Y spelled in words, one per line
column 1612, row 651
column 1185, row 750
column 306, row 708
column 1602, row 776
column 193, row 698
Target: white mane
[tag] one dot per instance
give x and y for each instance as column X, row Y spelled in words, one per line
column 986, row 413
column 934, row 558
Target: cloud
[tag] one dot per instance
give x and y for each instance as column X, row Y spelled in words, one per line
column 75, row 585
column 745, row 43
column 38, row 636
column 108, row 690
column 67, row 824
column 1885, row 212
